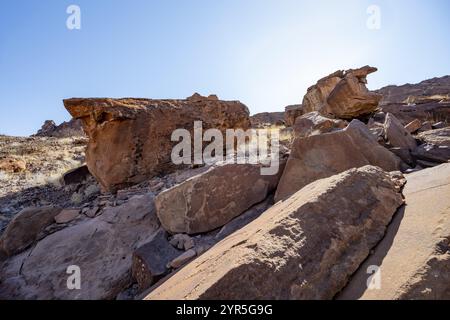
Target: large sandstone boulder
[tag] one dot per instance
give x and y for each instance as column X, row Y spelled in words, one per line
column 267, row 119
column 306, row 247
column 343, row 95
column 436, row 87
column 25, row 228
column 101, row 247
column 291, row 113
column 321, row 156
column 413, row 258
column 213, row 198
column 397, row 135
column 130, row 139
column 313, row 123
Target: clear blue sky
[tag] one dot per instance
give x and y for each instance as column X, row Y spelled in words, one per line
column 264, row 53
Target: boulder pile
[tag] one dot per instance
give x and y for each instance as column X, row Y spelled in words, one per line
column 357, row 191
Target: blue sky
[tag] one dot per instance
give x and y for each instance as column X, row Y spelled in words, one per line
column 265, row 53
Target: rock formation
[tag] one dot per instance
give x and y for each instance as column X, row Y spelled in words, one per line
column 428, row 88
column 413, row 257
column 321, row 156
column 425, row 101
column 343, row 95
column 267, row 119
column 313, row 123
column 72, row 128
column 130, row 139
column 101, row 247
column 291, row 113
column 435, row 146
column 397, row 135
column 213, row 198
column 303, row 248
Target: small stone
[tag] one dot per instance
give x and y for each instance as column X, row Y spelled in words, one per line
column 67, row 215
column 91, row 213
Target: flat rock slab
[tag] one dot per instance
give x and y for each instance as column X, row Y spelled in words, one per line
column 412, row 262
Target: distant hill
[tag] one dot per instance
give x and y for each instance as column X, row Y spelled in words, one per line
column 72, row 128
column 427, row 88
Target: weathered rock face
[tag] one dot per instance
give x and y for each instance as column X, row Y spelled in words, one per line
column 321, row 156
column 101, row 247
column 25, row 228
column 414, row 256
column 306, row 247
column 130, row 139
column 151, row 260
column 72, row 128
column 428, row 88
column 211, row 199
column 12, row 165
column 291, row 113
column 343, row 95
column 397, row 135
column 313, row 123
column 424, row 101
